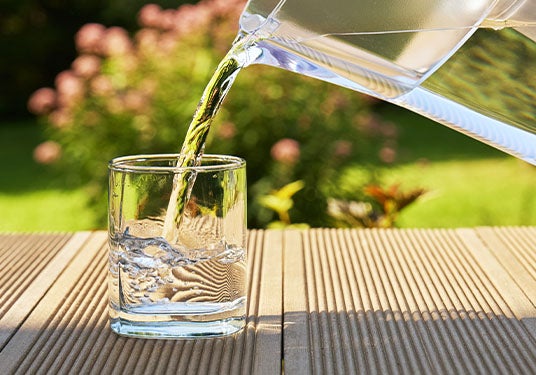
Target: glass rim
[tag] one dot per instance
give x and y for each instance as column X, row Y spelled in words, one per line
column 128, row 163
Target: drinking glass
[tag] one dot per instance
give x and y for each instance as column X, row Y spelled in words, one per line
column 188, row 282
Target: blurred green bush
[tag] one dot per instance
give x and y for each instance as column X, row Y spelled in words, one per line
column 129, row 95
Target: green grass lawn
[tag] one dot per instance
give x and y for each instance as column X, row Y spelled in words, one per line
column 468, row 183
column 477, row 192
column 34, row 197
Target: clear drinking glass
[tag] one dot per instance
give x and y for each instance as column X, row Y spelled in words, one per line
column 193, row 285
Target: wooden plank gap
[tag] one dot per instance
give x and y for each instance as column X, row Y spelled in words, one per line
column 296, row 349
column 268, row 335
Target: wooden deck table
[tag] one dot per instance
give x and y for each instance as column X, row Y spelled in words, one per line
column 321, row 301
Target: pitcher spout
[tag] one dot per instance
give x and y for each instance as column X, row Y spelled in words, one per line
column 514, row 12
column 520, row 15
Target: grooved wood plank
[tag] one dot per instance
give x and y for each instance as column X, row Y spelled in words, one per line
column 268, row 322
column 515, row 249
column 22, row 258
column 30, row 264
column 403, row 301
column 68, row 332
column 323, row 301
column 35, row 332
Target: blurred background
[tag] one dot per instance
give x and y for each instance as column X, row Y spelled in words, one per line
column 83, row 82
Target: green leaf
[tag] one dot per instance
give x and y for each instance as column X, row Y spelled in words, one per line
column 276, row 203
column 289, row 190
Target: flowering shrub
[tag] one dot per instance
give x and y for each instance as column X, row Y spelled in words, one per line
column 136, row 94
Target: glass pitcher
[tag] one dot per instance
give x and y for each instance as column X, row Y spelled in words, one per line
column 469, row 64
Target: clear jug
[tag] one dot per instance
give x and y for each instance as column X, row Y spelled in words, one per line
column 469, row 64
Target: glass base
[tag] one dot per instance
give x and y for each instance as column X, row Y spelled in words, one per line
column 176, row 330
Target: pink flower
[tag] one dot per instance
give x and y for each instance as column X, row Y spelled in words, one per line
column 227, row 130
column 116, row 41
column 135, row 101
column 343, row 148
column 60, row 118
column 226, row 7
column 389, row 130
column 147, row 39
column 149, row 16
column 101, row 85
column 370, row 124
column 168, row 41
column 387, row 154
column 88, row 38
column 129, row 62
column 286, row 151
column 189, row 18
column 70, row 88
column 168, row 19
column 47, row 152
column 86, row 65
column 42, row 101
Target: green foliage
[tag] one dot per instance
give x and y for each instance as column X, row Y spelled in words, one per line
column 462, row 176
column 362, row 201
column 281, row 202
column 380, row 211
column 137, row 95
